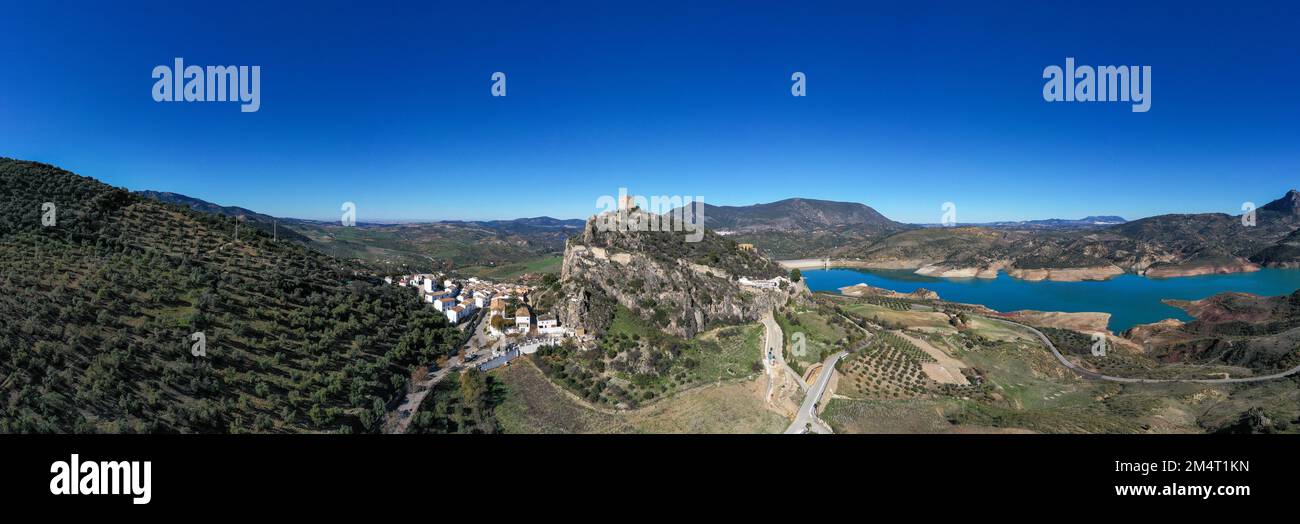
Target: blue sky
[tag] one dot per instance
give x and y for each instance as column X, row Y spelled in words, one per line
column 908, row 106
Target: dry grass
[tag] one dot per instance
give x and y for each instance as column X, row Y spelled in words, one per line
column 534, row 405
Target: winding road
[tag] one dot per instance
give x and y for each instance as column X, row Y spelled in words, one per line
column 774, row 356
column 806, row 420
column 1128, row 380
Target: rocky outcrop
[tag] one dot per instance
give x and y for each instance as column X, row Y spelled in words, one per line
column 1234, row 265
column 865, row 290
column 1164, row 330
column 681, row 287
column 948, row 271
column 1069, row 274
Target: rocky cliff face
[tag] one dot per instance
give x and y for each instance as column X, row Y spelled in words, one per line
column 681, row 287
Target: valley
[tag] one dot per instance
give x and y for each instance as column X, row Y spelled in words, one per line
column 543, row 325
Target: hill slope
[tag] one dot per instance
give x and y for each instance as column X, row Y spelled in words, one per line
column 98, row 311
column 253, row 219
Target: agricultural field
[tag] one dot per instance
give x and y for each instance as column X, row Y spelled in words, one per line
column 888, row 416
column 533, row 404
column 823, row 330
column 1021, row 387
column 888, row 368
column 890, row 317
column 512, row 271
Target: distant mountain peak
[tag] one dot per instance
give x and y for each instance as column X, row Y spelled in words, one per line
column 1289, row 203
column 795, row 214
column 1108, row 219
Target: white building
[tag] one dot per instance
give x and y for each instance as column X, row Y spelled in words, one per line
column 772, row 283
column 444, row 304
column 456, row 314
column 549, row 325
column 523, row 319
column 547, row 321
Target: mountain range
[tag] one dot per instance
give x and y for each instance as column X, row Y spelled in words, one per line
column 442, row 245
column 796, row 228
column 1056, row 223
column 1089, row 248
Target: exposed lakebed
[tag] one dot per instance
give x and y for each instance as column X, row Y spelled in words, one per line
column 1130, row 299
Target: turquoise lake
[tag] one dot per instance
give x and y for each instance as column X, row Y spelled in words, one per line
column 1130, row 299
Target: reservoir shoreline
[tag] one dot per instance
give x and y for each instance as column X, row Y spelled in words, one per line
column 1130, row 299
column 1061, row 274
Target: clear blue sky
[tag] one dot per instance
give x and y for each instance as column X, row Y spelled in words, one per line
column 908, row 106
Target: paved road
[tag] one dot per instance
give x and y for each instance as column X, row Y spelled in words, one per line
column 806, row 419
column 1093, row 374
column 399, row 419
column 774, row 357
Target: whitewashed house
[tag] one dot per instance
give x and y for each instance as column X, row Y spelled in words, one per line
column 523, row 319
column 547, row 321
column 772, row 283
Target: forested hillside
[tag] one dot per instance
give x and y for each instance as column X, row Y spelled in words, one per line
column 97, row 313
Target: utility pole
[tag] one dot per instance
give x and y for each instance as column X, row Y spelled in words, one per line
column 275, row 230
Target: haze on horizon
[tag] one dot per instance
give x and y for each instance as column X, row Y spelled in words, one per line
column 908, row 107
